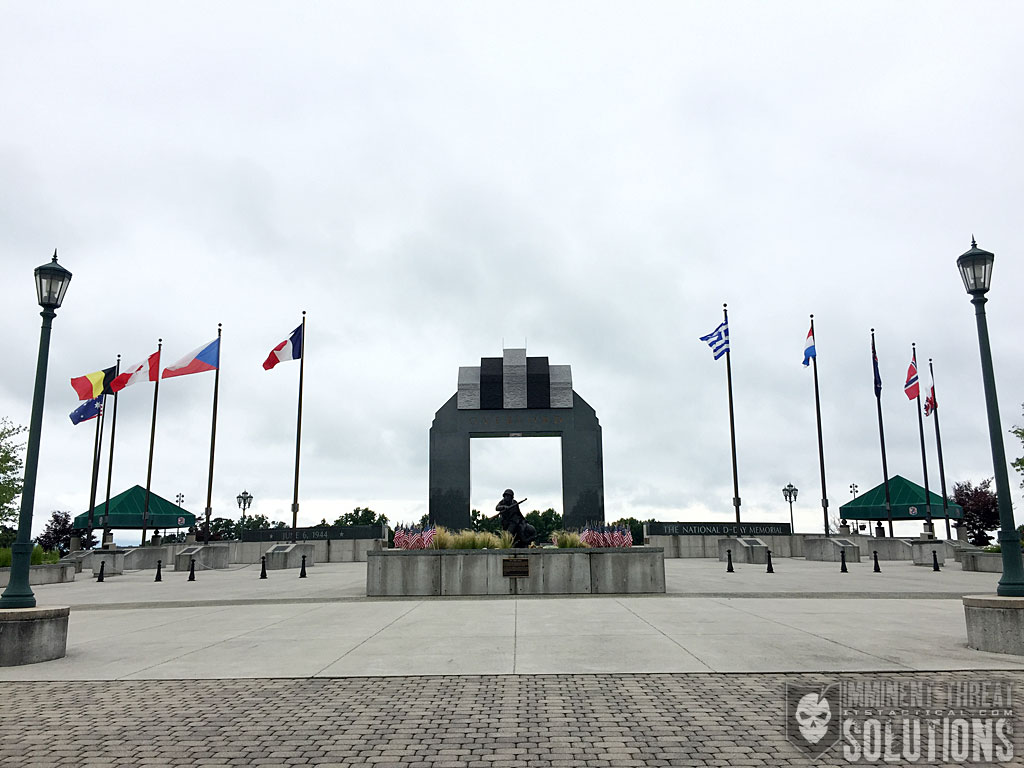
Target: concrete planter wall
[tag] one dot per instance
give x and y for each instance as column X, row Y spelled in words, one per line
column 289, row 556
column 707, row 546
column 830, row 550
column 55, row 573
column 924, row 548
column 989, row 562
column 210, row 556
column 410, row 573
column 330, row 551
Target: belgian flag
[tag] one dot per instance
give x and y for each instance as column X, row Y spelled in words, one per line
column 94, row 384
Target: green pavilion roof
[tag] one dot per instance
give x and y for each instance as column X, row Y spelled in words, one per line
column 908, row 503
column 126, row 512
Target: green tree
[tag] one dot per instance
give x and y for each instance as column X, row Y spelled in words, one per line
column 545, row 523
column 478, row 522
column 56, row 537
column 1018, row 463
column 11, row 463
column 361, row 516
column 981, row 509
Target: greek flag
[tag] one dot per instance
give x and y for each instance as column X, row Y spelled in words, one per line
column 718, row 339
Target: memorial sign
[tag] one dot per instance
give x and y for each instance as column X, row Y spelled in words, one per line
column 320, row 533
column 717, row 529
column 515, row 567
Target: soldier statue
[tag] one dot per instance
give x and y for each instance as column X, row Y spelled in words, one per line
column 512, row 520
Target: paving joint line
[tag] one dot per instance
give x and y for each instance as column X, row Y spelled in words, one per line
column 665, row 634
column 416, row 605
column 820, row 637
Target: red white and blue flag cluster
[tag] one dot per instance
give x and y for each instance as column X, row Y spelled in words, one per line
column 414, row 538
column 606, row 536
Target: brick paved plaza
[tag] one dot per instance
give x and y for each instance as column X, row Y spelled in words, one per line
column 232, row 670
column 503, row 721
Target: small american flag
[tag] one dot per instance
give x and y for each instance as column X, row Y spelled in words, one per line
column 428, row 537
column 401, row 538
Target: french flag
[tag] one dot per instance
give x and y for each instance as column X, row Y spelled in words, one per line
column 809, row 351
column 289, row 349
column 205, row 358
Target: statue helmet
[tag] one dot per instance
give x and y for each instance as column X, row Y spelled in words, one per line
column 508, row 492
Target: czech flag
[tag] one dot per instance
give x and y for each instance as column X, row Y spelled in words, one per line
column 205, row 358
column 809, row 351
column 94, row 384
column 289, row 349
column 147, row 370
column 90, row 409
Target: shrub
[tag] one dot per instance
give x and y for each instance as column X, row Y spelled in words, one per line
column 39, row 556
column 443, row 538
column 506, row 540
column 567, row 540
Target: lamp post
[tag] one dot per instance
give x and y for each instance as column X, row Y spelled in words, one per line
column 789, row 493
column 976, row 269
column 179, row 499
column 51, row 284
column 244, row 500
column 853, row 489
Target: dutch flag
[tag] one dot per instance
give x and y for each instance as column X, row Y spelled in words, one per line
column 809, row 347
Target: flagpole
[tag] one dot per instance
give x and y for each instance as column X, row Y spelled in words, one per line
column 113, row 432
column 92, row 469
column 213, row 439
column 97, row 452
column 821, row 449
column 929, row 527
column 732, row 421
column 152, row 441
column 298, row 431
column 881, row 431
column 938, row 444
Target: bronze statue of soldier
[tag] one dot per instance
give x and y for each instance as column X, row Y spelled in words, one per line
column 512, row 520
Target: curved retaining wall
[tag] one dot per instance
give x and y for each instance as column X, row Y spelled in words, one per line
column 409, row 573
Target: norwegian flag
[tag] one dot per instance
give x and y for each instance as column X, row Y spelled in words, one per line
column 912, row 389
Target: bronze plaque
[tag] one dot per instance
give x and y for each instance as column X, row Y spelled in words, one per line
column 515, row 567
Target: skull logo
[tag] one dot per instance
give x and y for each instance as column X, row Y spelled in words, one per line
column 812, row 716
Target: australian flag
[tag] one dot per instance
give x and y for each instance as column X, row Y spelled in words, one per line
column 90, row 409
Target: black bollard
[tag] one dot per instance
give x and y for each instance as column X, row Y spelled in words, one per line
column 302, row 571
column 263, row 572
column 158, row 577
column 770, row 569
column 842, row 561
column 877, row 569
column 935, row 560
column 99, row 576
column 191, row 569
column 728, row 557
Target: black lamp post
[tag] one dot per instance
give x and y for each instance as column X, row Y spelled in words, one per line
column 853, row 489
column 51, row 283
column 789, row 493
column 244, row 500
column 976, row 270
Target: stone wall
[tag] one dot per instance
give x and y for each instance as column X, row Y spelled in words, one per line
column 56, row 573
column 627, row 570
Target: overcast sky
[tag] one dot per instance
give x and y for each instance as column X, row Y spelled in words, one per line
column 432, row 180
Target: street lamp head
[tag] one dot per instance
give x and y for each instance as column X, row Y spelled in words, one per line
column 244, row 500
column 976, row 269
column 789, row 493
column 51, row 283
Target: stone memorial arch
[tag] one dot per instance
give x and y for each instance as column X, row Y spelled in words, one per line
column 516, row 396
